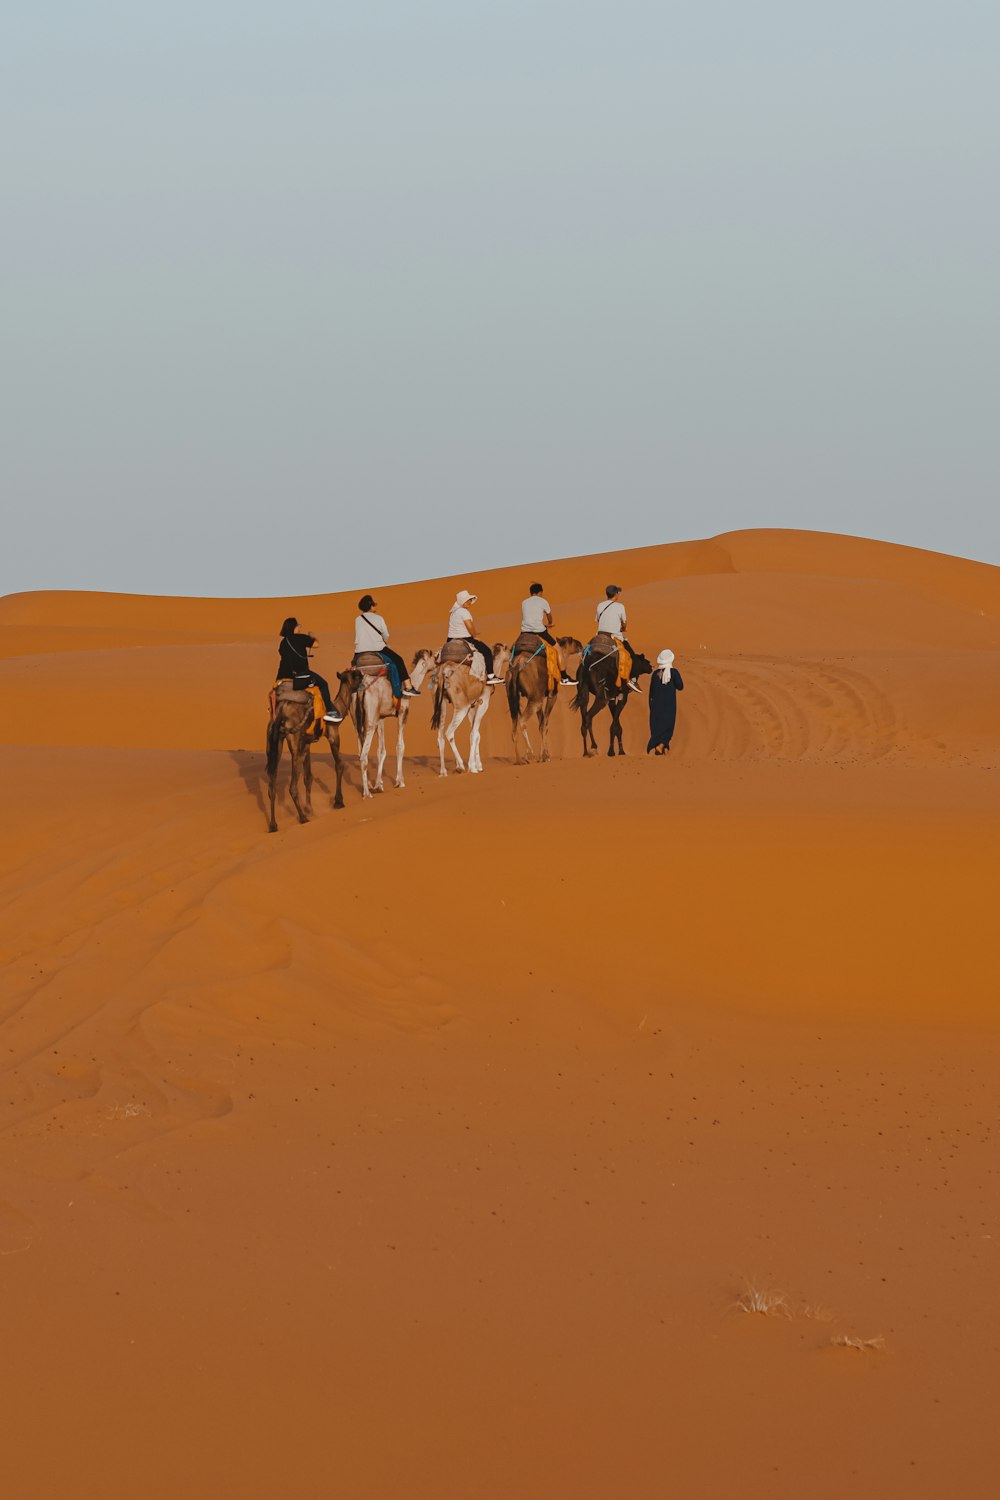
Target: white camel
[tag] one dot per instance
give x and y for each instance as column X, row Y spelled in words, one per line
column 373, row 704
column 469, row 697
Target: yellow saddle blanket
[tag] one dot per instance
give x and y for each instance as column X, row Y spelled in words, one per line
column 552, row 662
column 624, row 664
column 319, row 707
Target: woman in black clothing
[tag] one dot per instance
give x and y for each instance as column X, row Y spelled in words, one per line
column 294, row 649
column 664, row 686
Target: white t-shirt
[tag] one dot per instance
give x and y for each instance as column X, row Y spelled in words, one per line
column 458, row 623
column 370, row 632
column 533, row 612
column 611, row 619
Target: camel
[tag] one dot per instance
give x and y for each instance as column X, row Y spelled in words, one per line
column 293, row 723
column 597, row 675
column 373, row 704
column 528, row 689
column 469, row 698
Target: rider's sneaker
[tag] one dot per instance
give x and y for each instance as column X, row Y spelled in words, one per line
column 567, row 681
column 333, row 717
column 411, row 692
column 494, row 681
column 634, row 685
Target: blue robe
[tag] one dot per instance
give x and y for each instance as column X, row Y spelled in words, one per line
column 663, row 708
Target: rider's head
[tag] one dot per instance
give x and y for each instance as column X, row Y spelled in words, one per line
column 536, row 588
column 290, row 626
column 612, row 591
column 365, row 603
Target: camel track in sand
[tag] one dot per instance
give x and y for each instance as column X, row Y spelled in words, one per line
column 805, row 710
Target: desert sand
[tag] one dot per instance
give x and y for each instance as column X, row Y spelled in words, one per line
column 427, row 1151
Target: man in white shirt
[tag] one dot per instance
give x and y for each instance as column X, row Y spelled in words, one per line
column 461, row 627
column 536, row 617
column 612, row 620
column 371, row 633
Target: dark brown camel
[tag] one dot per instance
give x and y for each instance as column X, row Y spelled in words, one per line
column 293, row 722
column 528, row 689
column 597, row 676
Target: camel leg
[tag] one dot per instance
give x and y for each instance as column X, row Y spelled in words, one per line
column 379, row 755
column 307, row 775
column 458, row 716
column 544, row 715
column 616, row 729
column 366, row 745
column 475, row 731
column 295, row 746
column 404, row 709
column 333, row 736
column 273, row 757
column 522, row 725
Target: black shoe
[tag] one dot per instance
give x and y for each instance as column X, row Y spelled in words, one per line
column 411, row 692
column 567, row 681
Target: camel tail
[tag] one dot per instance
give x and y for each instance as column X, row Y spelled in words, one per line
column 512, row 693
column 273, row 746
column 579, row 702
column 439, row 698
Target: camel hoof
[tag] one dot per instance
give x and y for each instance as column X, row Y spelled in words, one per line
column 273, row 828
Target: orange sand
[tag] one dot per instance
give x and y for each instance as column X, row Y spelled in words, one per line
column 366, row 1160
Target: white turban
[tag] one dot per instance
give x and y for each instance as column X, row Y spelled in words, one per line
column 664, row 662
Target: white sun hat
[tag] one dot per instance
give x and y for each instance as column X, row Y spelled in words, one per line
column 664, row 662
column 463, row 597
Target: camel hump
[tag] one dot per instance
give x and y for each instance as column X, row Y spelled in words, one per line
column 528, row 642
column 286, row 693
column 455, row 651
column 369, row 661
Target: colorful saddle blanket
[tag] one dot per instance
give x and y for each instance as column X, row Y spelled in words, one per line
column 602, row 646
column 528, row 645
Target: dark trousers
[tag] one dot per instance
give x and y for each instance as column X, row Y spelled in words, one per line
column 545, row 635
column 477, row 646
column 631, row 657
column 397, row 668
column 324, row 688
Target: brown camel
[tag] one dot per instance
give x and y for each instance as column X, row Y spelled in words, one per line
column 373, row 704
column 293, row 723
column 469, row 698
column 597, row 675
column 528, row 689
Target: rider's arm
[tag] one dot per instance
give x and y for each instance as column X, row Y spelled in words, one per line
column 548, row 619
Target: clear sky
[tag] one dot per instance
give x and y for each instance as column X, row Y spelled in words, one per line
column 308, row 295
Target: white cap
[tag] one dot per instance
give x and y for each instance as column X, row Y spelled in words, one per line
column 464, row 597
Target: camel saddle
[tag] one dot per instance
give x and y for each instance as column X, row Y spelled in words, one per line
column 454, row 651
column 528, row 642
column 601, row 644
column 289, row 694
column 370, row 663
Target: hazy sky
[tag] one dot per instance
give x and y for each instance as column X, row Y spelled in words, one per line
column 308, row 295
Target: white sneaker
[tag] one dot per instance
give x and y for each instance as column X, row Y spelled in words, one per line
column 634, row 685
column 494, row 681
column 333, row 717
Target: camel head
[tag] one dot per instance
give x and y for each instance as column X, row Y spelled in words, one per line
column 423, row 662
column 641, row 664
column 501, row 658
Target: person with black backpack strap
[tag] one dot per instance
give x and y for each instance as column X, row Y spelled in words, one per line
column 371, row 633
column 611, row 620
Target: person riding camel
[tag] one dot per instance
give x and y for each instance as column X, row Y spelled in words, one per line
column 460, row 628
column 295, row 646
column 371, row 633
column 536, row 618
column 611, row 620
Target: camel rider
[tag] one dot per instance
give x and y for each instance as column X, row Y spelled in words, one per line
column 371, row 634
column 536, row 617
column 294, row 650
column 611, row 621
column 461, row 626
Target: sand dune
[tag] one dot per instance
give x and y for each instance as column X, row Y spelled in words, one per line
column 427, row 1149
